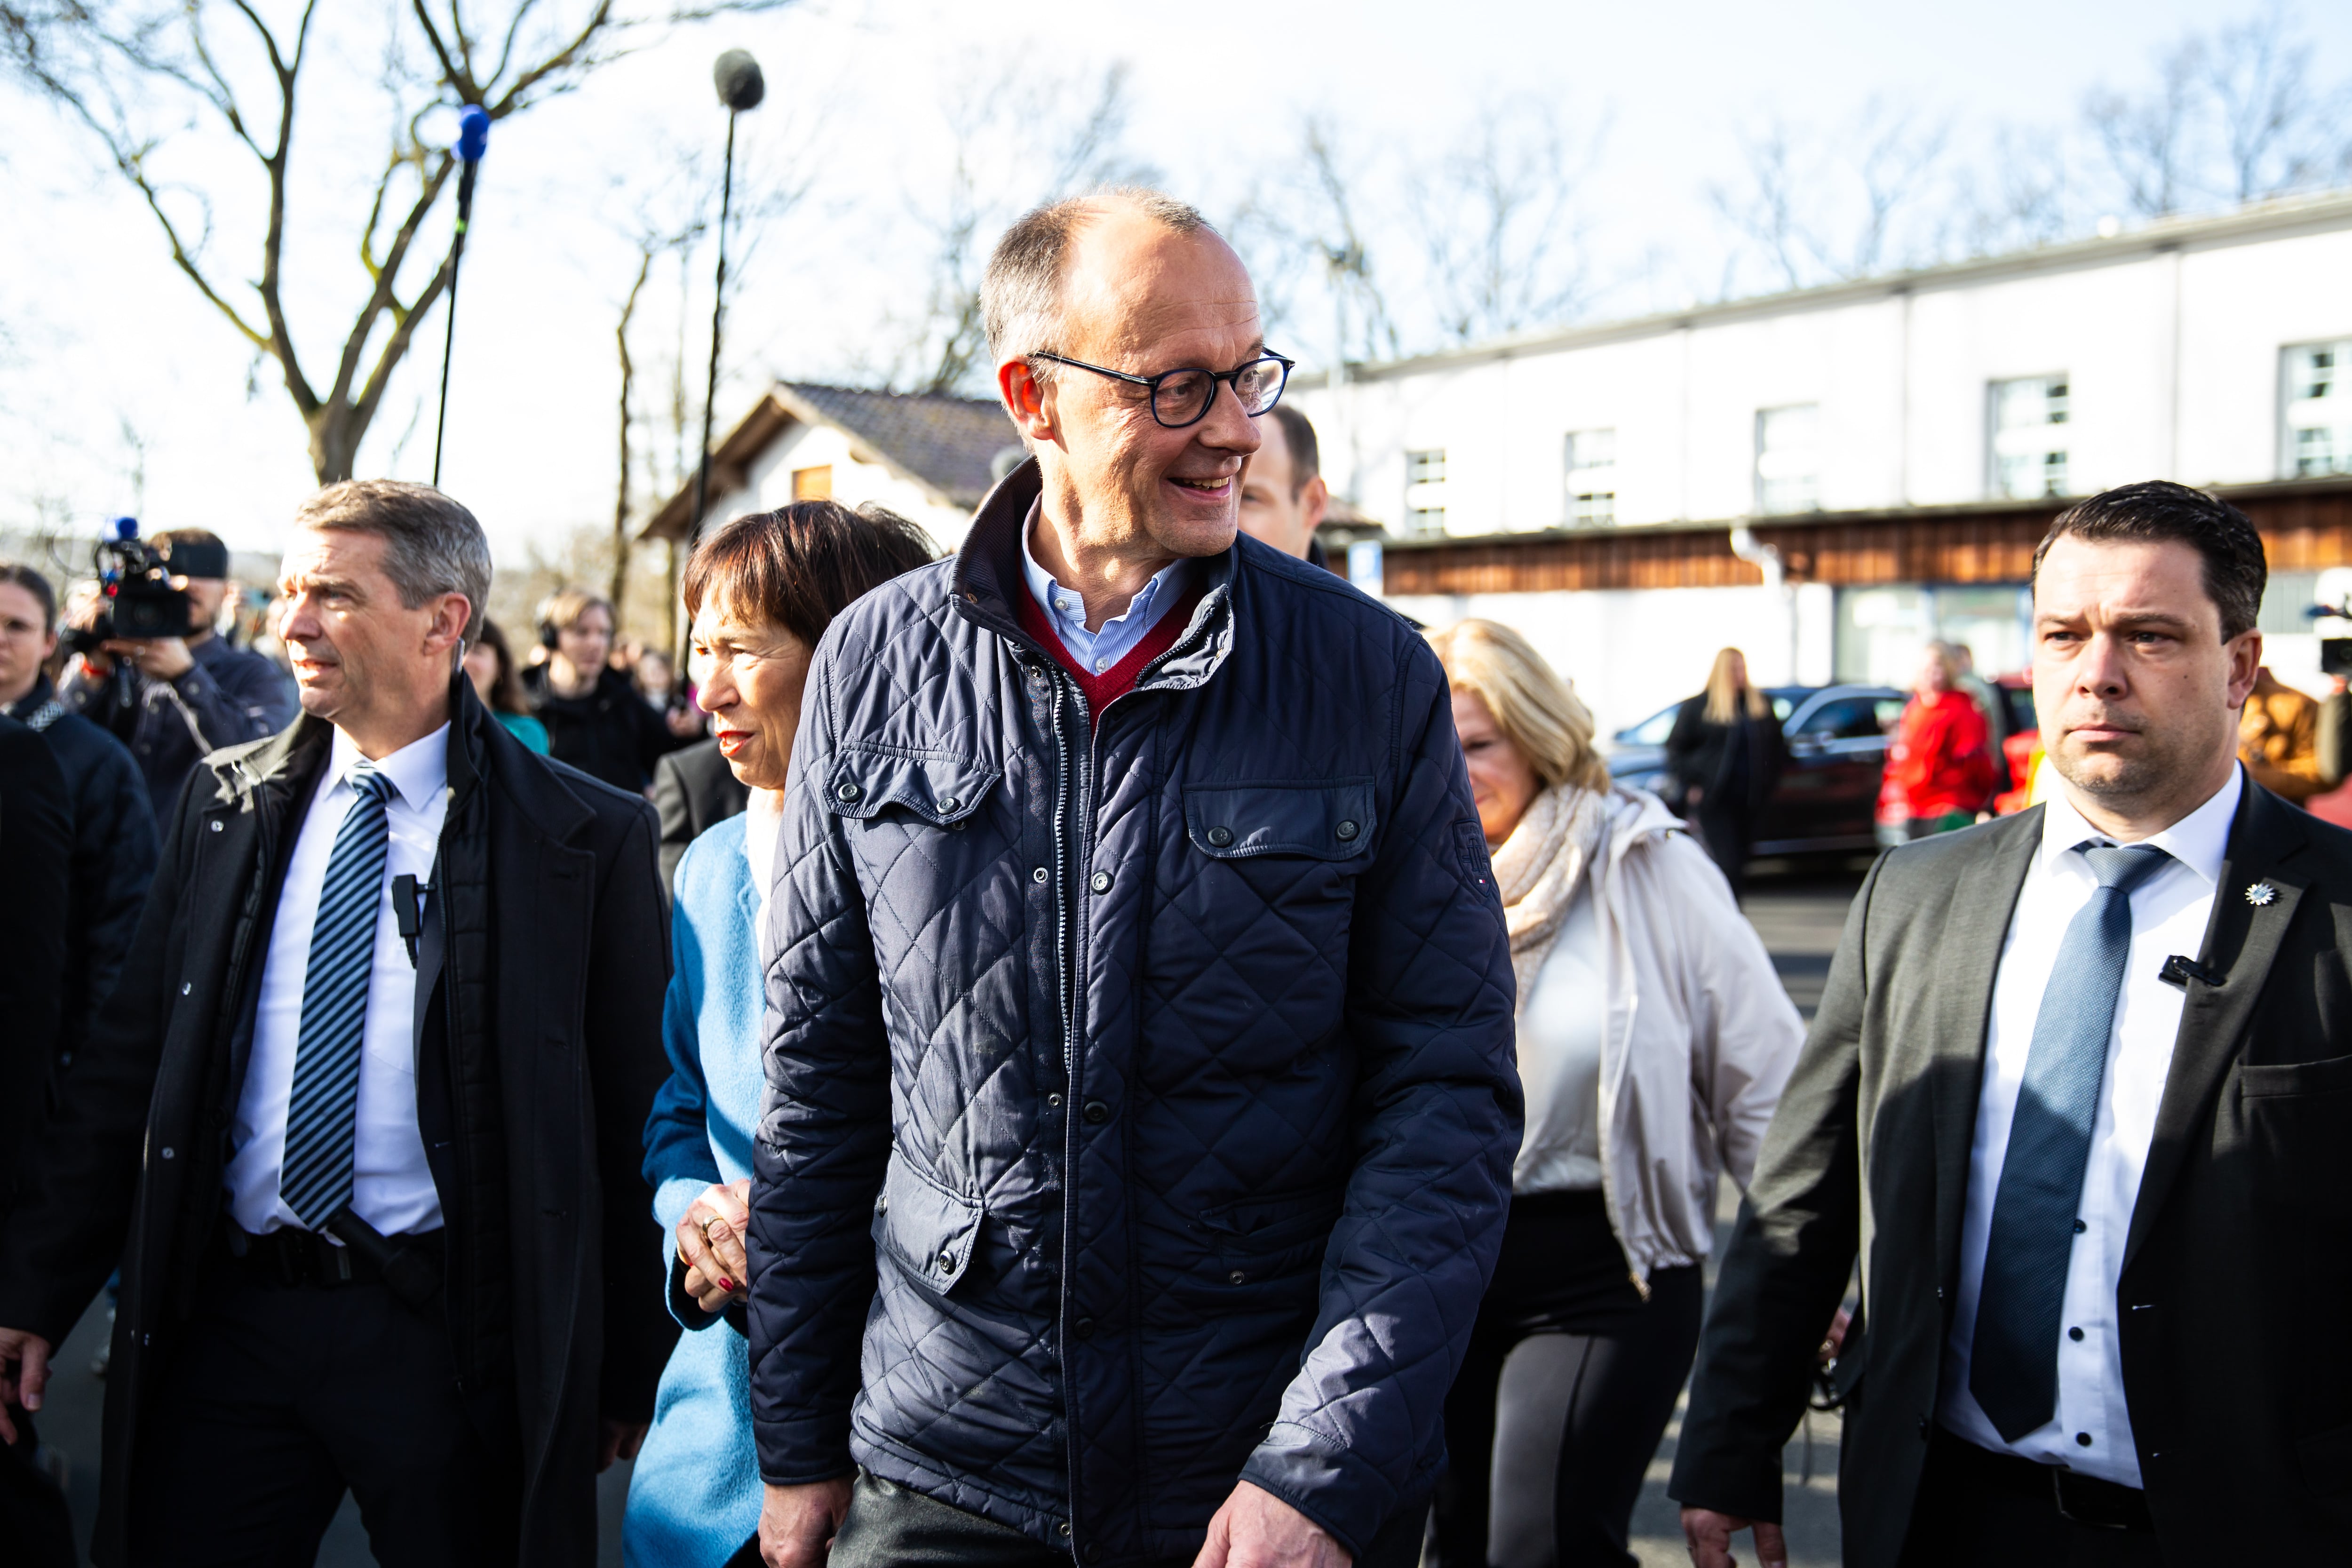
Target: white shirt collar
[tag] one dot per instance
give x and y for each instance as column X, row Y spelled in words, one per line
column 419, row 770
column 2199, row 840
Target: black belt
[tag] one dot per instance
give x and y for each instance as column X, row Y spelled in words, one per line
column 410, row 1265
column 2084, row 1500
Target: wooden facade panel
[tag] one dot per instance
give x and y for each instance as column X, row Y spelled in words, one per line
column 2302, row 530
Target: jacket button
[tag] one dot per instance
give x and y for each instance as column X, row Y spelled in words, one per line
column 216, row 826
column 1097, row 1112
column 1054, row 1102
column 1101, row 883
column 2080, row 1227
column 1083, row 1328
column 167, row 1153
column 1221, row 837
column 186, row 986
column 882, row 1203
column 1063, row 1528
column 1237, row 1277
column 949, row 803
column 1038, row 875
column 947, row 1262
column 849, row 791
column 1346, row 831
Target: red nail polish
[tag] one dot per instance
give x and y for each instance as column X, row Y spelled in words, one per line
column 726, row 1284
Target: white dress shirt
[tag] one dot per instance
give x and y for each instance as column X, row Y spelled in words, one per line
column 1066, row 609
column 391, row 1186
column 2091, row 1431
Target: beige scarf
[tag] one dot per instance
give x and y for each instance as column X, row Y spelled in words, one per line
column 1538, row 869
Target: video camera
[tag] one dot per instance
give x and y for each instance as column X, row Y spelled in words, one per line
column 136, row 579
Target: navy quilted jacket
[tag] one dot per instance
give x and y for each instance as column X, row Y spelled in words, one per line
column 1162, row 1075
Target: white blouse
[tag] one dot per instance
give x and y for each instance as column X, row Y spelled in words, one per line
column 1561, row 1035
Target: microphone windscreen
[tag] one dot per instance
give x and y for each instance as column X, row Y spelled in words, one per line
column 473, row 133
column 738, row 77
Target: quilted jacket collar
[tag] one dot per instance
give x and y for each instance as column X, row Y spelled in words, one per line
column 987, row 582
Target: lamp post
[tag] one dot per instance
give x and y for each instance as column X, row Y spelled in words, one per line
column 740, row 87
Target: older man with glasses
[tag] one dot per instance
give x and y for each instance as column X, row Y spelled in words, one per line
column 1139, row 1057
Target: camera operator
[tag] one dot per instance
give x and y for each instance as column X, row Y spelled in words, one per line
column 114, row 834
column 190, row 694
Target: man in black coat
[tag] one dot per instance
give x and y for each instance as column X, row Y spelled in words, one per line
column 35, row 817
column 365, row 1128
column 2075, row 1098
column 693, row 790
column 113, row 826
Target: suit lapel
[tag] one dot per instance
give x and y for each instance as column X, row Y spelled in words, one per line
column 2242, row 939
column 1967, row 960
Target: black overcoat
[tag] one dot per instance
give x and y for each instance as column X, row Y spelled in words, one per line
column 540, row 1052
column 2235, row 1299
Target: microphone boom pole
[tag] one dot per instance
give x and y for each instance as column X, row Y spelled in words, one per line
column 740, row 87
column 473, row 141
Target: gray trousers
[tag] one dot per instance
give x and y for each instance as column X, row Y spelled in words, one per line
column 890, row 1526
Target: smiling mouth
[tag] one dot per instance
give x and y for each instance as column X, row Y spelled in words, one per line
column 1204, row 487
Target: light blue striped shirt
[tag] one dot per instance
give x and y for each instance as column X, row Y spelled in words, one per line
column 1067, row 609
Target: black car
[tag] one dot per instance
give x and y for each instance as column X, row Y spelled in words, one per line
column 1828, row 796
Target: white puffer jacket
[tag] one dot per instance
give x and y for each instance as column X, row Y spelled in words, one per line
column 1700, row 1035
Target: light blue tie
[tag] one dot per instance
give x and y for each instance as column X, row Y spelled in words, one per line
column 2013, row 1359
column 316, row 1178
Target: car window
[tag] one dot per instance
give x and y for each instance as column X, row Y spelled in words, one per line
column 1887, row 711
column 1652, row 731
column 1850, row 719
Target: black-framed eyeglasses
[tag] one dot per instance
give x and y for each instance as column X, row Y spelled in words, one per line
column 1180, row 398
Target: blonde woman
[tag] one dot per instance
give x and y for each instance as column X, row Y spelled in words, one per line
column 1723, row 761
column 1653, row 1038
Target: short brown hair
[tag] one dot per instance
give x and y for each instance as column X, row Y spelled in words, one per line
column 432, row 545
column 801, row 565
column 1298, row 439
column 562, row 610
column 33, row 583
column 2156, row 511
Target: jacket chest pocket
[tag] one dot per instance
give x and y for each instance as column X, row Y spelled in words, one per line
column 900, row 792
column 1256, row 953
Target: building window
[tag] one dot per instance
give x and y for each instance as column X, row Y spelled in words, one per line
column 1592, row 478
column 1788, row 459
column 813, row 484
column 2318, row 409
column 1424, row 491
column 2029, row 438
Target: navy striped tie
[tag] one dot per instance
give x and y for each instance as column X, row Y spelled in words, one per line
column 2013, row 1357
column 316, row 1177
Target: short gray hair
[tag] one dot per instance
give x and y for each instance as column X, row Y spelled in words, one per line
column 1021, row 295
column 432, row 545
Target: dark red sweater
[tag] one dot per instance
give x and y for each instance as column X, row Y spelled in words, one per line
column 1116, row 682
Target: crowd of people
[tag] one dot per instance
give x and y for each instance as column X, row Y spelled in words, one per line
column 1113, row 1048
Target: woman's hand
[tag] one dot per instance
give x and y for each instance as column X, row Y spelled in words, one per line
column 710, row 1245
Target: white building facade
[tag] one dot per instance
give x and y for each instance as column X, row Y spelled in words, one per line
column 1635, row 496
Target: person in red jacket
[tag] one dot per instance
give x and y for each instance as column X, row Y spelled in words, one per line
column 1940, row 766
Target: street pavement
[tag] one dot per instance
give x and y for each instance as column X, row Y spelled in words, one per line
column 1798, row 912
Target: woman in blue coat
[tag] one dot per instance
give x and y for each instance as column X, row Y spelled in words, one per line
column 760, row 591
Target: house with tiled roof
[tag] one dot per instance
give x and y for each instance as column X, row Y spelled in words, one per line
column 926, row 456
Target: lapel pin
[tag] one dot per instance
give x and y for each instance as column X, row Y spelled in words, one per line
column 2260, row 894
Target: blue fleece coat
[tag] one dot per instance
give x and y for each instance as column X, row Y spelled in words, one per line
column 694, row 1496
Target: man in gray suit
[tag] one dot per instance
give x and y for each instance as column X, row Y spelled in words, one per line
column 2077, row 1098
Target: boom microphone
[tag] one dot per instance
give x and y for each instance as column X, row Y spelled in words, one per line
column 737, row 74
column 473, row 141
